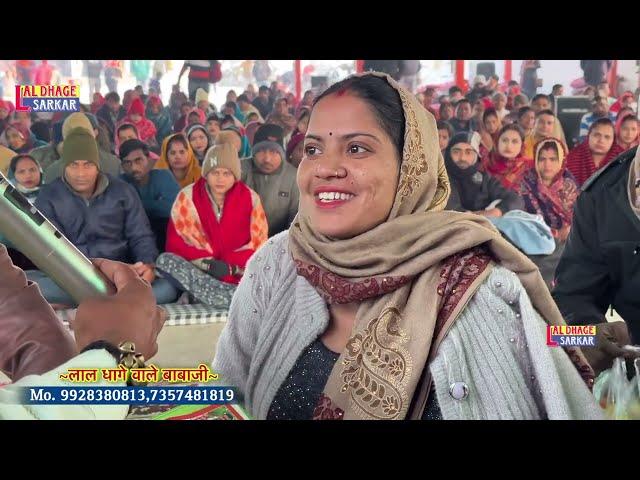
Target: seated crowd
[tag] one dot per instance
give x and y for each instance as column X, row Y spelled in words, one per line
column 186, row 193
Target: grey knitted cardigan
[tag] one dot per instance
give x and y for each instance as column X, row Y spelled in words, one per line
column 493, row 364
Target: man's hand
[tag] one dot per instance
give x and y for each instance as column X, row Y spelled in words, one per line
column 146, row 271
column 610, row 337
column 129, row 315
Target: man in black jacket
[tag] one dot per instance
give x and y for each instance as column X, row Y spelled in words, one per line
column 600, row 265
column 472, row 190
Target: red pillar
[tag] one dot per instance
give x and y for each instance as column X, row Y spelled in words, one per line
column 297, row 68
column 459, row 76
column 508, row 70
column 613, row 79
column 359, row 66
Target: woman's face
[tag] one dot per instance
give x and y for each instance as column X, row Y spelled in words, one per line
column 193, row 118
column 14, row 138
column 527, row 121
column 231, row 96
column 601, row 139
column 4, row 113
column 135, row 118
column 220, row 180
column 478, row 109
column 345, row 137
column 203, row 105
column 492, row 124
column 155, row 108
column 177, row 156
column 509, row 144
column 629, row 131
column 198, row 141
column 545, row 124
column 27, row 173
column 447, row 112
column 500, row 102
column 213, row 127
column 548, row 165
column 443, row 138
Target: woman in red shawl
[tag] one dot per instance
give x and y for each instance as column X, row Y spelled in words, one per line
column 506, row 162
column 625, row 100
column 597, row 150
column 549, row 189
column 216, row 225
column 627, row 130
column 136, row 116
column 196, row 115
column 98, row 101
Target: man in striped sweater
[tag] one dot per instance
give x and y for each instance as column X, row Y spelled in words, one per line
column 600, row 110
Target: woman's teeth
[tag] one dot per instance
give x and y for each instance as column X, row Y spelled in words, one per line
column 333, row 196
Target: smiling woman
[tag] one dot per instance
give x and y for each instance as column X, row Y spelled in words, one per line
column 380, row 304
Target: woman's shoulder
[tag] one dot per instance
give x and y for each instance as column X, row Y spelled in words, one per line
column 273, row 256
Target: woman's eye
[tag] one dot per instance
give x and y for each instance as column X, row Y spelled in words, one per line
column 311, row 150
column 357, row 149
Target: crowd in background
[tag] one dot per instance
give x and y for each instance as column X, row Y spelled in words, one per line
column 186, row 191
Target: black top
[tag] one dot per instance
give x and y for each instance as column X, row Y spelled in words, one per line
column 298, row 396
column 600, row 264
column 474, row 190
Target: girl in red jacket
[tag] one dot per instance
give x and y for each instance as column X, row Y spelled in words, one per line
column 216, row 224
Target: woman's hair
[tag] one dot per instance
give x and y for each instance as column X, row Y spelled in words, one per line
column 127, row 126
column 600, row 122
column 545, row 112
column 383, row 100
column 14, row 162
column 303, row 114
column 629, row 116
column 489, row 112
column 444, row 125
column 523, row 111
column 549, row 145
column 520, row 98
column 514, row 127
column 178, row 138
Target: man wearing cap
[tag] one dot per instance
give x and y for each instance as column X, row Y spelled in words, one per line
column 472, row 190
column 100, row 214
column 49, row 156
column 157, row 189
column 273, row 178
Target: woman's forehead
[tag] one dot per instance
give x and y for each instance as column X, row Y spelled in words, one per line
column 342, row 115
